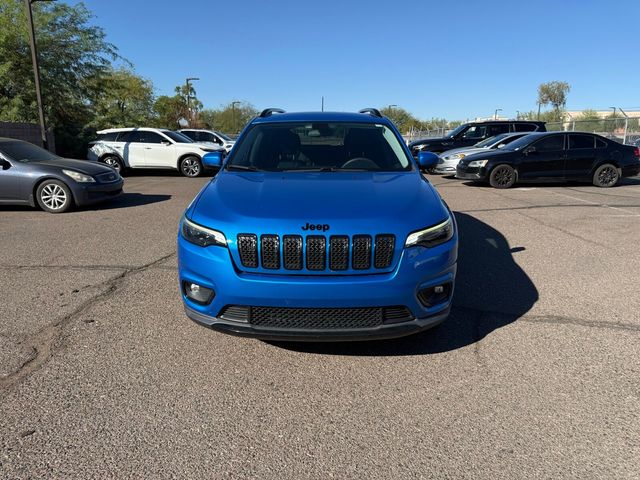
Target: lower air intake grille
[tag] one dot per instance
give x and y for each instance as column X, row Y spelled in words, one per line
column 316, row 318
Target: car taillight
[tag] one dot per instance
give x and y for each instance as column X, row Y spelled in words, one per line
column 636, row 152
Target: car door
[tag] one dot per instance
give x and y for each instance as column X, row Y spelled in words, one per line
column 159, row 150
column 581, row 155
column 129, row 146
column 471, row 136
column 543, row 159
column 12, row 181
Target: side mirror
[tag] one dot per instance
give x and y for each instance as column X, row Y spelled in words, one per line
column 427, row 160
column 530, row 150
column 4, row 164
column 166, row 143
column 501, row 145
column 212, row 159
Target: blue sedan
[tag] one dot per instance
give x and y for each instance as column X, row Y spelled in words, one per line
column 30, row 175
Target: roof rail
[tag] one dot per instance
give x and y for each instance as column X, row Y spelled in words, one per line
column 267, row 112
column 371, row 111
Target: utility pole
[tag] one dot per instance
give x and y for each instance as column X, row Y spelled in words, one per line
column 322, row 105
column 233, row 116
column 517, row 114
column 189, row 116
column 36, row 73
column 495, row 115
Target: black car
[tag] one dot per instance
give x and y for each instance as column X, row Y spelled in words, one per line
column 471, row 133
column 553, row 156
column 30, row 175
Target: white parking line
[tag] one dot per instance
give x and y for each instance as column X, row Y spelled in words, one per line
column 594, row 203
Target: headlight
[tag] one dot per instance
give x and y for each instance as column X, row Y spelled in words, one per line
column 455, row 156
column 202, row 236
column 432, row 236
column 79, row 177
column 478, row 163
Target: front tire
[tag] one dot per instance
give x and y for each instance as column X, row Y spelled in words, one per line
column 54, row 196
column 502, row 176
column 191, row 166
column 114, row 162
column 606, row 176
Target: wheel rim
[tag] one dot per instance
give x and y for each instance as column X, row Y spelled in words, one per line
column 608, row 176
column 503, row 176
column 190, row 167
column 53, row 196
column 113, row 163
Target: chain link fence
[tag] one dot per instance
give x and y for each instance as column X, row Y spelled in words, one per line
column 621, row 129
column 420, row 134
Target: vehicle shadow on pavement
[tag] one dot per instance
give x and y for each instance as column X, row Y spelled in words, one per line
column 126, row 200
column 491, row 291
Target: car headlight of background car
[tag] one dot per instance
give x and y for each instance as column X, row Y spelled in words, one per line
column 431, row 236
column 79, row 177
column 478, row 163
column 202, row 236
column 455, row 156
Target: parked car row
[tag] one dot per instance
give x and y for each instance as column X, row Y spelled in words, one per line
column 503, row 161
column 124, row 148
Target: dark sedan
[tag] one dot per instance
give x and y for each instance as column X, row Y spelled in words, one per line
column 553, row 156
column 30, row 175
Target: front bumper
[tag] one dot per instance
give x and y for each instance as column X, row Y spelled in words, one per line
column 467, row 173
column 90, row 193
column 418, row 268
column 320, row 335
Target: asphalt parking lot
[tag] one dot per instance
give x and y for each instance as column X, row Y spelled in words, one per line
column 535, row 375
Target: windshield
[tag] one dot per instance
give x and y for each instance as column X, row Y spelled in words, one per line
column 491, row 140
column 457, row 130
column 25, row 152
column 319, row 146
column 177, row 137
column 520, row 143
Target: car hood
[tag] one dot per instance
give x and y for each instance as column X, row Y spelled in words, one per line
column 466, row 151
column 199, row 146
column 348, row 203
column 431, row 141
column 83, row 166
column 488, row 154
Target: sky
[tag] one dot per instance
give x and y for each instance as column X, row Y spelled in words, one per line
column 445, row 59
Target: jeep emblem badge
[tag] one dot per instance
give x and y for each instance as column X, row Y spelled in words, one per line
column 322, row 227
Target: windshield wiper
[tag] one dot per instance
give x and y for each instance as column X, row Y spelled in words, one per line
column 247, row 168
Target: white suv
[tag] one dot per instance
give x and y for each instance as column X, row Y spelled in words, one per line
column 149, row 148
column 209, row 136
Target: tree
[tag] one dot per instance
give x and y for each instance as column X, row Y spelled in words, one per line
column 169, row 110
column 71, row 53
column 230, row 118
column 555, row 94
column 121, row 99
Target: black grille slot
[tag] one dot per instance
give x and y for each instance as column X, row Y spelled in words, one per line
column 248, row 250
column 339, row 252
column 292, row 252
column 396, row 314
column 316, row 252
column 384, row 250
column 270, row 251
column 236, row 313
column 361, row 259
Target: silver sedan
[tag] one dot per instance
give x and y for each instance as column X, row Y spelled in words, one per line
column 449, row 160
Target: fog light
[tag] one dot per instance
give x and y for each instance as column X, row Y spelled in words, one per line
column 431, row 296
column 198, row 293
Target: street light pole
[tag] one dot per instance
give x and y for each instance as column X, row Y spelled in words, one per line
column 36, row 74
column 189, row 79
column 495, row 115
column 233, row 115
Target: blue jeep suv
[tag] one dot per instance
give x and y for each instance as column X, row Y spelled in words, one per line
column 318, row 226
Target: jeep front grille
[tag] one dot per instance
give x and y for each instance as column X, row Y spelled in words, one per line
column 316, row 253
